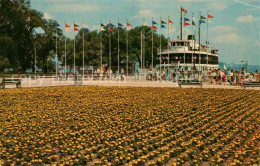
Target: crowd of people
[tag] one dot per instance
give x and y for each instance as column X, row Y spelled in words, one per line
column 210, row 76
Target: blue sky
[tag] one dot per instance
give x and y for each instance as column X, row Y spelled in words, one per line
column 235, row 29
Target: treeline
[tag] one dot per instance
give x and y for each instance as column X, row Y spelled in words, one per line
column 19, row 36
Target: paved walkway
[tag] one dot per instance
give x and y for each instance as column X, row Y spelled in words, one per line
column 45, row 82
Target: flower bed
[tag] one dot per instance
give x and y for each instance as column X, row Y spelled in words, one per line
column 129, row 126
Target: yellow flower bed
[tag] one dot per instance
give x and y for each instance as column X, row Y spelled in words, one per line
column 129, row 126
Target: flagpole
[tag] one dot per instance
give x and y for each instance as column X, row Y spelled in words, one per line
column 118, row 49
column 160, row 47
column 100, row 50
column 126, row 50
column 65, row 54
column 168, row 49
column 193, row 37
column 83, row 53
column 152, row 50
column 74, row 65
column 207, row 38
column 199, row 46
column 109, row 51
column 141, row 54
column 181, row 25
column 144, row 48
column 56, row 56
column 184, row 50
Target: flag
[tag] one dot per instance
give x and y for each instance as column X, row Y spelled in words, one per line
column 202, row 17
column 186, row 19
column 201, row 21
column 102, row 27
column 183, row 10
column 193, row 23
column 67, row 26
column 128, row 28
column 85, row 26
column 170, row 26
column 76, row 29
column 169, row 21
column 110, row 25
column 84, row 29
column 209, row 21
column 145, row 24
column 57, row 25
column 76, row 25
column 153, row 22
column 154, row 27
column 163, row 26
column 194, row 19
column 120, row 25
column 163, row 22
column 186, row 24
column 210, row 16
column 67, row 29
column 120, row 28
column 111, row 29
column 128, row 24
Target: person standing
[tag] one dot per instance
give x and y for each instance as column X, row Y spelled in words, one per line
column 60, row 75
column 98, row 72
column 231, row 77
column 257, row 76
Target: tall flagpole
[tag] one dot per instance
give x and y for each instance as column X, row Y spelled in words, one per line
column 100, row 50
column 168, row 50
column 65, row 54
column 207, row 38
column 144, row 48
column 181, row 25
column 83, row 57
column 118, row 49
column 152, row 50
column 160, row 47
column 141, row 59
column 193, row 37
column 109, row 51
column 199, row 46
column 65, row 67
column 126, row 50
column 184, row 51
column 74, row 65
column 56, row 55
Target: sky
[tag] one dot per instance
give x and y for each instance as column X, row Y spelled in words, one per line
column 234, row 30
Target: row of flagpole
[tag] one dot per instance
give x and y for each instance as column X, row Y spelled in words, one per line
column 128, row 26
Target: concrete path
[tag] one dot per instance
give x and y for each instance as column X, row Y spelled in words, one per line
column 45, row 82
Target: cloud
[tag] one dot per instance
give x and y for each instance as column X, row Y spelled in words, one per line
column 231, row 38
column 47, row 16
column 247, row 4
column 217, row 5
column 147, row 13
column 248, row 18
column 96, row 27
column 222, row 29
column 74, row 8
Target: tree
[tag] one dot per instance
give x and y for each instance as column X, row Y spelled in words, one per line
column 18, row 24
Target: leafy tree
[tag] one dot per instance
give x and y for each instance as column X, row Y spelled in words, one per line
column 20, row 28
